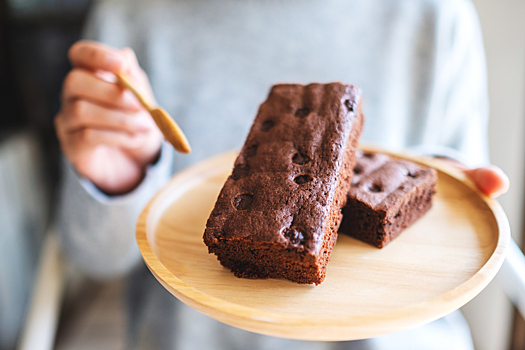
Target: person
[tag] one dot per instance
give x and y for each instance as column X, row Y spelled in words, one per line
column 420, row 65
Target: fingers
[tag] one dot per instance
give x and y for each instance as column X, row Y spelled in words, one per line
column 94, row 137
column 84, row 141
column 81, row 84
column 103, row 130
column 95, row 62
column 94, row 56
column 490, row 179
column 82, row 114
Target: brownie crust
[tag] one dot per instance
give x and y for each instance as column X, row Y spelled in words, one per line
column 279, row 211
column 387, row 196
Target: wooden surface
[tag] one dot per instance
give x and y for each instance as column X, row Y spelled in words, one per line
column 431, row 269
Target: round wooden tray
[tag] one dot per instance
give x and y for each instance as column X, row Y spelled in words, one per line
column 430, row 270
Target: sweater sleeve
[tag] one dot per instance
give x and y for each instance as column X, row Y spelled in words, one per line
column 457, row 126
column 97, row 231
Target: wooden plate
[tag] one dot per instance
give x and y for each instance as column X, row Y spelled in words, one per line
column 430, row 270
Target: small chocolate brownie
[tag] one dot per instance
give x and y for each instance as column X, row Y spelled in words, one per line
column 278, row 213
column 387, row 195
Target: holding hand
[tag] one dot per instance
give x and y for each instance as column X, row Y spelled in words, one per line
column 490, row 179
column 103, row 130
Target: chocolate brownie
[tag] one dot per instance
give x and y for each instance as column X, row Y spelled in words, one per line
column 387, row 195
column 278, row 213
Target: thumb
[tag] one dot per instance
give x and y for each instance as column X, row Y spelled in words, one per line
column 490, row 179
column 96, row 56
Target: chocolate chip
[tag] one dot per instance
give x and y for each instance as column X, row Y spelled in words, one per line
column 300, row 159
column 240, row 170
column 251, row 150
column 350, row 105
column 301, row 179
column 358, row 170
column 368, row 155
column 303, row 112
column 267, row 125
column 243, row 201
column 375, row 188
column 294, row 235
column 410, row 174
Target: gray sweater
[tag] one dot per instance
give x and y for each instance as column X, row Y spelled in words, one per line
column 420, row 64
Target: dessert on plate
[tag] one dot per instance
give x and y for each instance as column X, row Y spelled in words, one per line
column 278, row 213
column 387, row 195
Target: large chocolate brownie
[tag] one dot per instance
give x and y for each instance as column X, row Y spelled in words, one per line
column 387, row 195
column 278, row 213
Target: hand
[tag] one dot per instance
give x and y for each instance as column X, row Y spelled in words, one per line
column 102, row 128
column 490, row 179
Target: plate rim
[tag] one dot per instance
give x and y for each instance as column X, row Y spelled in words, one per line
column 263, row 322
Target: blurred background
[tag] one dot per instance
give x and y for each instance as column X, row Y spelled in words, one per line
column 34, row 38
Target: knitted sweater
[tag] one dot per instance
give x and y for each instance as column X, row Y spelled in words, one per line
column 419, row 63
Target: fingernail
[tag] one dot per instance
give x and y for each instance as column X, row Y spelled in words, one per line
column 130, row 100
column 113, row 62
